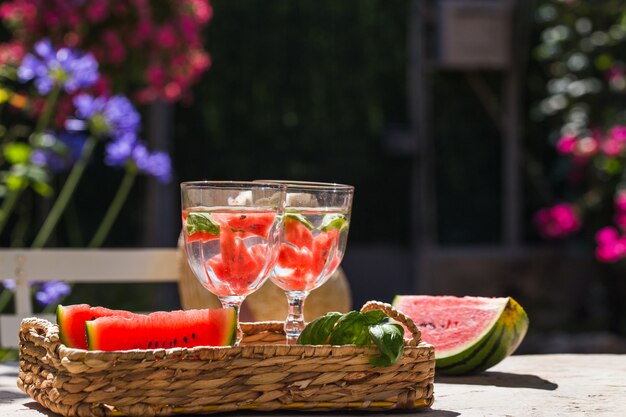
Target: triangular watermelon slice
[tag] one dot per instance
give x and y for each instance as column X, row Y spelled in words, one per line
column 470, row 334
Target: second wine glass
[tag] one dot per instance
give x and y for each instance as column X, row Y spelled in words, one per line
column 315, row 233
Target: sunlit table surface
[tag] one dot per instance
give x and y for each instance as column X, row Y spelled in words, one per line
column 520, row 386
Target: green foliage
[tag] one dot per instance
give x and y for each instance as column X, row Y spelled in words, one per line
column 360, row 329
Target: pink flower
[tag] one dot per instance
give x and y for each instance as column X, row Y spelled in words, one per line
column 166, row 37
column 586, row 147
column 607, row 235
column 144, row 31
column 11, row 53
column 167, row 32
column 189, row 29
column 558, row 221
column 615, row 73
column 618, row 132
column 612, row 251
column 156, row 76
column 200, row 61
column 172, row 91
column 115, row 47
column 202, row 10
column 566, row 144
column 612, row 147
column 97, row 11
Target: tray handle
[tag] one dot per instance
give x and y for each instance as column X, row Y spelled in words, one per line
column 398, row 316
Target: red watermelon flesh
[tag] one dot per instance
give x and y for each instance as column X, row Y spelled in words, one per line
column 470, row 334
column 325, row 247
column 71, row 321
column 237, row 266
column 305, row 265
column 257, row 224
column 162, row 329
column 297, row 234
column 448, row 322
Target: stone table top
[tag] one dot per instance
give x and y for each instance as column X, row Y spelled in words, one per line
column 520, row 386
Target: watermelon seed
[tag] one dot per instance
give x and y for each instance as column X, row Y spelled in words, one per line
column 149, row 344
column 174, row 342
column 93, row 318
column 185, row 339
column 193, row 335
column 428, row 325
column 242, row 217
column 156, row 344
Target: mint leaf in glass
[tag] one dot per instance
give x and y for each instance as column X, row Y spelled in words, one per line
column 334, row 222
column 198, row 221
column 300, row 218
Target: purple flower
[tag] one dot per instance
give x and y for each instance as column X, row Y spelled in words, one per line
column 156, row 164
column 47, row 158
column 68, row 146
column 117, row 152
column 114, row 116
column 52, row 292
column 9, row 284
column 130, row 149
column 64, row 67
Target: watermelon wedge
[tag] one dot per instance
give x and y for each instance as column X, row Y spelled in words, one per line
column 470, row 334
column 163, row 329
column 71, row 321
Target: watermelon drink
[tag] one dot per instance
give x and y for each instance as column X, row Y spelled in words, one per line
column 313, row 245
column 315, row 233
column 232, row 235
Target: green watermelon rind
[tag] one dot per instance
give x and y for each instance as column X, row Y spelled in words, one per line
column 499, row 340
column 60, row 319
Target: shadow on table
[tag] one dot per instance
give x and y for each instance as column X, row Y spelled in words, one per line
column 35, row 406
column 7, row 396
column 500, row 379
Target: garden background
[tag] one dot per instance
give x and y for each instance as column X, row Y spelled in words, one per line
column 319, row 90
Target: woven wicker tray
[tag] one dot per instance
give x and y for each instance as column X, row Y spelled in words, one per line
column 262, row 374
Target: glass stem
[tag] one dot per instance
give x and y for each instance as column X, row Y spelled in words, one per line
column 295, row 315
column 234, row 302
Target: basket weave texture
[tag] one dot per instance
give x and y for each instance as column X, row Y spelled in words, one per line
column 263, row 373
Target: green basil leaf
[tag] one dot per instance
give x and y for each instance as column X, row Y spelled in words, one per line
column 318, row 331
column 201, row 222
column 300, row 218
column 351, row 329
column 333, row 222
column 389, row 338
column 373, row 316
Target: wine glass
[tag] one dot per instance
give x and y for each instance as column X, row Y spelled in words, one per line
column 315, row 232
column 232, row 235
